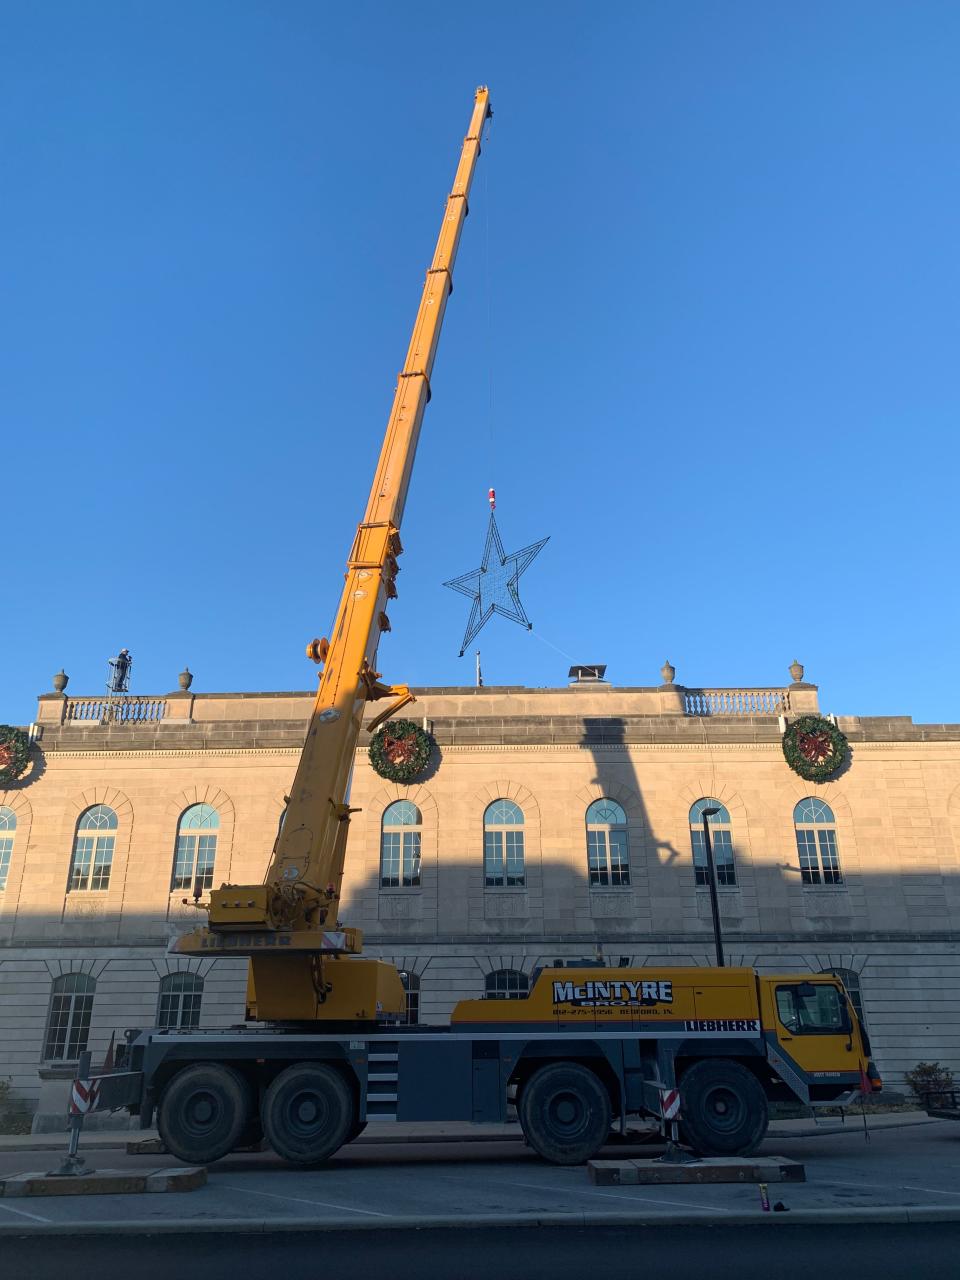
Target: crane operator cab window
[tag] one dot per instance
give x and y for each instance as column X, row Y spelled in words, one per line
column 808, row 1008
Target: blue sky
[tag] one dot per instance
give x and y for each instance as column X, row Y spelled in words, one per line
column 704, row 336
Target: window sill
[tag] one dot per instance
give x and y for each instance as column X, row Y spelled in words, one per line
column 504, row 888
column 400, row 891
column 58, row 1069
column 722, row 889
column 815, row 889
column 603, row 889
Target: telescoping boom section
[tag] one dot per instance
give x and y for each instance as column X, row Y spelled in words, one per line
column 288, row 925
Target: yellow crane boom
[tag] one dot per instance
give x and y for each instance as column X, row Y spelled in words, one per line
column 281, row 924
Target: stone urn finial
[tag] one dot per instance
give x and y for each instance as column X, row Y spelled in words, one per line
column 60, row 681
column 668, row 672
column 186, row 679
column 796, row 671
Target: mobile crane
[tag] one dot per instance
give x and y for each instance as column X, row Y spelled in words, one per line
column 585, row 1048
column 298, row 968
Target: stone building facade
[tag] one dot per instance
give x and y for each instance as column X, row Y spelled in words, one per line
column 553, row 824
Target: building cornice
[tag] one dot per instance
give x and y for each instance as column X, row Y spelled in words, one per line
column 493, row 748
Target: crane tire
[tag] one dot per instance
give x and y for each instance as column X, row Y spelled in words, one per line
column 308, row 1113
column 565, row 1113
column 355, row 1130
column 203, row 1111
column 723, row 1109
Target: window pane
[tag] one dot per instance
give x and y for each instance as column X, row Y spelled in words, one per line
column 807, row 850
column 57, row 1026
column 411, row 985
column 168, row 1009
column 700, row 875
column 411, row 858
column 813, row 810
column 390, row 859
column 606, row 811
column 8, row 819
column 80, row 867
column 718, row 819
column 828, row 857
column 402, row 813
column 206, row 855
column 199, row 817
column 183, row 862
column 190, row 1010
column 506, row 984
column 493, row 844
column 513, row 841
column 6, row 849
column 723, row 857
column 619, row 859
column 79, row 1025
column 100, row 817
column 820, row 1012
column 68, row 1023
column 851, row 984
column 503, row 813
column 102, row 861
column 597, row 857
column 180, row 998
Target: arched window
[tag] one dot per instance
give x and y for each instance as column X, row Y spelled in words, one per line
column 817, row 842
column 400, row 846
column 608, row 855
column 503, row 845
column 93, row 850
column 68, row 1022
column 507, row 984
column 721, row 842
column 851, row 984
column 180, row 996
column 196, row 849
column 411, row 985
column 8, row 825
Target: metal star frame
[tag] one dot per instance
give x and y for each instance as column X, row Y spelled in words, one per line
column 493, row 587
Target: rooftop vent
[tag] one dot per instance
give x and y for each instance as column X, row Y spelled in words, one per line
column 592, row 674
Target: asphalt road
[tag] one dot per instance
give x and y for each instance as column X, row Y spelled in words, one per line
column 880, row 1251
column 376, row 1184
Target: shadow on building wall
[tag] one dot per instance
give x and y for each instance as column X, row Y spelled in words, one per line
column 452, row 932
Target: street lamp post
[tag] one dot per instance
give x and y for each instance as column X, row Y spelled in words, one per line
column 712, row 881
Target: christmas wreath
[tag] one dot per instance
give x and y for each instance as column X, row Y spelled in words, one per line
column 400, row 749
column 814, row 747
column 14, row 752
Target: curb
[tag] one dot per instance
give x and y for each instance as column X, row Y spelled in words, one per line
column 908, row 1215
column 102, row 1182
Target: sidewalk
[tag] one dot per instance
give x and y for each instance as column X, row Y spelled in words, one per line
column 117, row 1139
column 422, row 1176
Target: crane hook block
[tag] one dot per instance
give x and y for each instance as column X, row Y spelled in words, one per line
column 317, row 650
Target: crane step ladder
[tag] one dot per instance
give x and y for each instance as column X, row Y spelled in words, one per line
column 382, row 1080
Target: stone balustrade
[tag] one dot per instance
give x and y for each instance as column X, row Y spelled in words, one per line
column 122, row 709
column 736, row 702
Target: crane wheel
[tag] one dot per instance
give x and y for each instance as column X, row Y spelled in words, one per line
column 565, row 1113
column 723, row 1109
column 308, row 1113
column 203, row 1111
